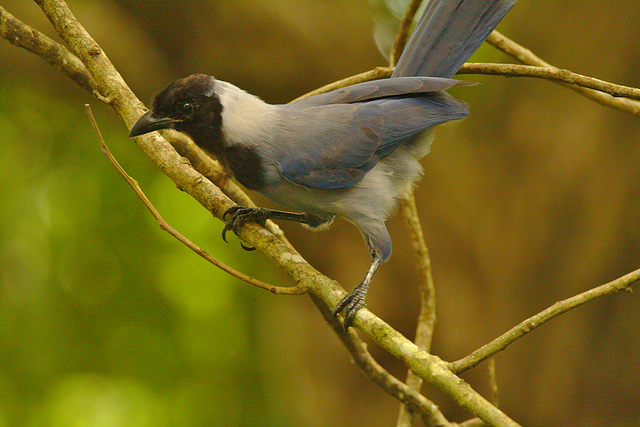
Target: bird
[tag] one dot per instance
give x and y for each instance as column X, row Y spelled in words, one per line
column 352, row 152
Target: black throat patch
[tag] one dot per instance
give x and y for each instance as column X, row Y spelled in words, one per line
column 242, row 161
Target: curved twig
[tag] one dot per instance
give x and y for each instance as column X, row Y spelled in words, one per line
column 617, row 95
column 621, row 284
column 427, row 316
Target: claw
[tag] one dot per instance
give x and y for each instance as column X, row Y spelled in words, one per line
column 224, row 233
column 236, row 216
column 247, row 248
column 231, row 222
column 350, row 304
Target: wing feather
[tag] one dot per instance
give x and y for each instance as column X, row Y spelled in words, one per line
column 340, row 142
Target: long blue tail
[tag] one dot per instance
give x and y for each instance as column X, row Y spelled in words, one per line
column 447, row 34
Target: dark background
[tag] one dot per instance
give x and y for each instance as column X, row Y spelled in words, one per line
column 106, row 320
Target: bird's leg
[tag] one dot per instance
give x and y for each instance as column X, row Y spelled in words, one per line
column 355, row 300
column 236, row 216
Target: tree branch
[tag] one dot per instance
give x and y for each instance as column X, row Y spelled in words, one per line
column 410, row 397
column 621, row 284
column 429, row 367
column 567, row 77
column 524, row 55
column 23, row 36
column 588, row 86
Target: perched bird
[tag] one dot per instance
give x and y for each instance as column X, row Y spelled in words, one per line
column 352, row 152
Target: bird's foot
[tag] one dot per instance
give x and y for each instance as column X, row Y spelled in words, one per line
column 236, row 216
column 351, row 303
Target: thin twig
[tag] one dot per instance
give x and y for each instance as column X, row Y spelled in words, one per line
column 616, row 95
column 494, row 398
column 403, row 32
column 427, row 316
column 294, row 290
column 524, row 55
column 621, row 284
column 551, row 73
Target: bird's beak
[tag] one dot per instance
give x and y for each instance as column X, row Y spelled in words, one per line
column 147, row 123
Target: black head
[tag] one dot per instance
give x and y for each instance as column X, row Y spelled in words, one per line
column 187, row 105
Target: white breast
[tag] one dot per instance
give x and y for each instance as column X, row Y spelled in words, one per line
column 246, row 119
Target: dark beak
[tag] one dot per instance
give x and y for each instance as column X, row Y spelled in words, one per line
column 147, row 123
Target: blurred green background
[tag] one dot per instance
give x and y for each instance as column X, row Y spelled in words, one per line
column 106, row 321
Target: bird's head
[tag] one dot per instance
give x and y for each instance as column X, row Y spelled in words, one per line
column 188, row 105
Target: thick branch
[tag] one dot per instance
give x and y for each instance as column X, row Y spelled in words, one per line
column 429, row 367
column 621, row 284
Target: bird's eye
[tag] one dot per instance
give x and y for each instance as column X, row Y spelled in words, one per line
column 186, row 109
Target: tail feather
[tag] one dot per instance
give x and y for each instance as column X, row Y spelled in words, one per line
column 447, row 34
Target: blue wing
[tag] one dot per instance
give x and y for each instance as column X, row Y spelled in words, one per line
column 347, row 131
